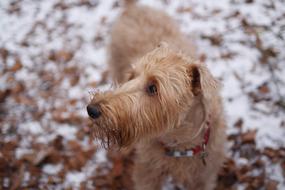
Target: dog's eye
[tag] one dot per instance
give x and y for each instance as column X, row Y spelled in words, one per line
column 151, row 89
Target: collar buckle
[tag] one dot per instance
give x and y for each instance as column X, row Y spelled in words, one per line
column 203, row 154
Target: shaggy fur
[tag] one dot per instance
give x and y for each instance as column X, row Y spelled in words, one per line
column 162, row 100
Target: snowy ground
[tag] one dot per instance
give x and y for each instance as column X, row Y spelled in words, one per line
column 53, row 53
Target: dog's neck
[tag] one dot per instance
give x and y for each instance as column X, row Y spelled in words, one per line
column 191, row 136
column 189, row 130
column 199, row 149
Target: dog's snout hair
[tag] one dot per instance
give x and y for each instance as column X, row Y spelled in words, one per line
column 125, row 118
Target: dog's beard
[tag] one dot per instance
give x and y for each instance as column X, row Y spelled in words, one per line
column 110, row 135
column 107, row 137
column 123, row 128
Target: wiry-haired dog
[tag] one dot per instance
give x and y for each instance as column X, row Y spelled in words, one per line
column 166, row 104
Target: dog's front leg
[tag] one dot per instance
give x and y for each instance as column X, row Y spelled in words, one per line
column 147, row 177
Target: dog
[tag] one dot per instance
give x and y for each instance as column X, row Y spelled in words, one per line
column 166, row 104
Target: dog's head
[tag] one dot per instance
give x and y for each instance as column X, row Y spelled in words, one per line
column 159, row 89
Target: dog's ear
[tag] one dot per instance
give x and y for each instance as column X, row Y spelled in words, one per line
column 202, row 81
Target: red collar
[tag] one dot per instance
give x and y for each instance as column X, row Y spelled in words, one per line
column 198, row 149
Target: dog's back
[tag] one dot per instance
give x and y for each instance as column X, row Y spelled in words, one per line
column 137, row 31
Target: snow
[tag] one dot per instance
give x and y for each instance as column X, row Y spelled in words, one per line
column 101, row 156
column 73, row 179
column 22, row 151
column 51, row 169
column 31, row 127
column 66, row 131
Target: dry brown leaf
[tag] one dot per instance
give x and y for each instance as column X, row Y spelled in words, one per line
column 228, row 55
column 61, row 56
column 53, row 157
column 4, row 94
column 271, row 185
column 184, row 9
column 264, row 89
column 266, row 54
column 216, row 40
column 4, row 53
column 71, row 70
column 17, row 65
column 239, row 123
column 249, row 137
column 18, row 88
column 74, row 145
column 249, row 1
column 74, row 80
column 270, row 152
column 59, row 115
column 22, row 99
column 227, row 176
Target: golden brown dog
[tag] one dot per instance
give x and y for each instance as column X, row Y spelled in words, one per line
column 166, row 104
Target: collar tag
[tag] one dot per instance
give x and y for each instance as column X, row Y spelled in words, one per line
column 203, row 154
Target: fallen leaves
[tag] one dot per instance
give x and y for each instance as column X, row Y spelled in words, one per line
column 264, row 89
column 271, row 185
column 46, row 101
column 228, row 55
column 119, row 176
column 248, row 137
column 17, row 65
column 266, row 54
column 228, row 175
column 233, row 174
column 61, row 56
column 73, row 157
column 184, row 9
column 4, row 53
column 4, row 94
column 216, row 40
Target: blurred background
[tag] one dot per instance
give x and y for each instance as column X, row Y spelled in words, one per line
column 53, row 54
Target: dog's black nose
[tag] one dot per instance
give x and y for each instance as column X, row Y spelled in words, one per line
column 93, row 111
